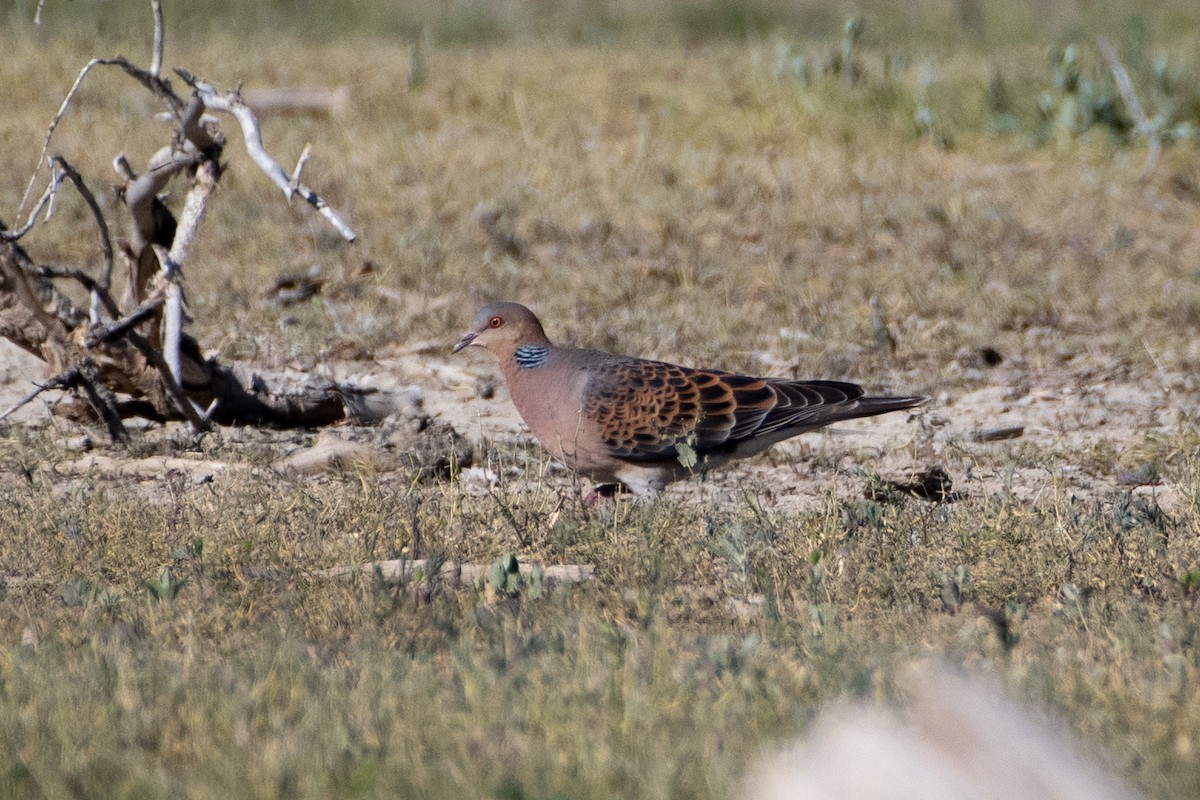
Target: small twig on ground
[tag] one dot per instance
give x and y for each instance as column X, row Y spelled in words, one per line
column 231, row 103
column 63, row 380
column 1125, row 87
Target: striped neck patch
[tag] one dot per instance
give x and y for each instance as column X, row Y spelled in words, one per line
column 531, row 355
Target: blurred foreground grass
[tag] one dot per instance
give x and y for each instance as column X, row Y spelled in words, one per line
column 647, row 682
column 734, row 200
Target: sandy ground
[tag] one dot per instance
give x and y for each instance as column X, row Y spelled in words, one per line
column 1079, row 434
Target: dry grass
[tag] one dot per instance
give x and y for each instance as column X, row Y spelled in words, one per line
column 675, row 198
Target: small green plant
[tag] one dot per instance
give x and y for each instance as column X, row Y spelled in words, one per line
column 1189, row 581
column 843, row 62
column 80, row 592
column 166, row 586
column 953, row 586
column 685, row 451
column 505, row 578
column 1080, row 98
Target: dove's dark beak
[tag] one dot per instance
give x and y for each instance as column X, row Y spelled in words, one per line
column 465, row 342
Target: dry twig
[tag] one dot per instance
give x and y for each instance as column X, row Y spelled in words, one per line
column 63, row 380
column 294, row 183
column 157, row 58
column 56, row 178
column 105, row 240
column 231, row 102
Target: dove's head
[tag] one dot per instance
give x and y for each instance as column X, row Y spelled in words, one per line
column 502, row 328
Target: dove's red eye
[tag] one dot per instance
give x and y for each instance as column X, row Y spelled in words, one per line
column 495, row 322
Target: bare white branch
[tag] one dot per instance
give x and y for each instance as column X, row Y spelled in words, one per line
column 157, row 58
column 231, row 103
column 171, row 279
column 194, row 206
column 173, row 327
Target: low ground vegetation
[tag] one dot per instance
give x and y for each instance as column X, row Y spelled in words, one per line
column 743, row 202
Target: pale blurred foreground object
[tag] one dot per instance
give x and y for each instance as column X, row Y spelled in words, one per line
column 958, row 737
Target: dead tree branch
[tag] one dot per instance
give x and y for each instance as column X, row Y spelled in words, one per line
column 56, row 178
column 105, row 240
column 102, row 400
column 156, row 57
column 64, row 380
column 107, row 333
column 142, row 352
column 231, row 102
column 294, row 183
column 155, row 84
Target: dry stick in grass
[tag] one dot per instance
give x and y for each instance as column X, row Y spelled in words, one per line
column 1125, row 87
column 403, row 569
column 102, row 399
